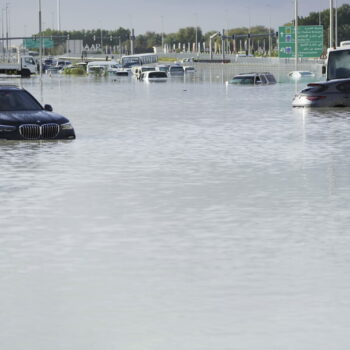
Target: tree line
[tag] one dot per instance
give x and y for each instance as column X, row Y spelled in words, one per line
column 120, row 38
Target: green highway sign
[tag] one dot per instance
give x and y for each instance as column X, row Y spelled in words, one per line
column 35, row 43
column 310, row 41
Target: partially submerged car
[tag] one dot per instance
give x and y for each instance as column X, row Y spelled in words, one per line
column 264, row 78
column 331, row 93
column 154, row 76
column 301, row 75
column 22, row 117
column 176, row 70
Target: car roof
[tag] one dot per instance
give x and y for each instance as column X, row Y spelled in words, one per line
column 9, row 87
column 331, row 82
column 253, row 73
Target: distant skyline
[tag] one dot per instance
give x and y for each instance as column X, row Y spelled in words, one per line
column 153, row 15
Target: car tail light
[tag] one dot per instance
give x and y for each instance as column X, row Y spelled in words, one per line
column 315, row 98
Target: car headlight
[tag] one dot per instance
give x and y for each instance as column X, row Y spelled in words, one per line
column 7, row 128
column 66, row 126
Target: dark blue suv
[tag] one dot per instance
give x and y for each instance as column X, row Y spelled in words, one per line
column 22, row 117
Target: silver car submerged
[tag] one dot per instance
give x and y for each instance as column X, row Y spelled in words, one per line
column 264, row 78
column 332, row 93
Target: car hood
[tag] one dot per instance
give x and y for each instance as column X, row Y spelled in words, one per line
column 29, row 117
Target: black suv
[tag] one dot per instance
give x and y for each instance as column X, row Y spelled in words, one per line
column 22, row 117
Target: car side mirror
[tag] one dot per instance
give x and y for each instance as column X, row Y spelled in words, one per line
column 323, row 69
column 48, row 108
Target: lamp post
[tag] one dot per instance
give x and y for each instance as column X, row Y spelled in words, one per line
column 7, row 31
column 2, row 32
column 196, row 32
column 58, row 15
column 296, row 34
column 335, row 24
column 162, row 18
column 270, row 38
column 331, row 24
column 40, row 43
column 249, row 41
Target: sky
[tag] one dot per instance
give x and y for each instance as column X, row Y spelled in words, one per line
column 166, row 16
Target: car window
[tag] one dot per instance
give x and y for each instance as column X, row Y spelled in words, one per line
column 243, row 80
column 157, row 75
column 263, row 79
column 18, row 101
column 29, row 60
column 271, row 78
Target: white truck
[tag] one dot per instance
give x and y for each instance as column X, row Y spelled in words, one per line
column 338, row 62
column 24, row 67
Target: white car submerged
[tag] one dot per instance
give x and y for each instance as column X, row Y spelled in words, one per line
column 154, row 76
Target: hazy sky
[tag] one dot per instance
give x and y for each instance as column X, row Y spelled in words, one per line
column 153, row 15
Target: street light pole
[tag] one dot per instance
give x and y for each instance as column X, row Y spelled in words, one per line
column 196, row 33
column 2, row 32
column 7, row 31
column 249, row 41
column 331, row 25
column 296, row 34
column 162, row 18
column 270, row 37
column 58, row 15
column 335, row 24
column 41, row 42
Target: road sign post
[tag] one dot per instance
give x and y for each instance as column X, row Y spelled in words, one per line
column 310, row 41
column 35, row 43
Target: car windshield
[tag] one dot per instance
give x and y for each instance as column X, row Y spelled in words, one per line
column 157, row 75
column 243, row 80
column 176, row 69
column 18, row 101
column 271, row 78
column 338, row 65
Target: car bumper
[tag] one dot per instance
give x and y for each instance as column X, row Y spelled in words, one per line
column 325, row 101
column 68, row 134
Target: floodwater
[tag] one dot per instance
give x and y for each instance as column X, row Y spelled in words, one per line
column 186, row 215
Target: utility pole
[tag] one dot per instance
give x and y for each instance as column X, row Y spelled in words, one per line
column 58, row 15
column 162, row 18
column 2, row 32
column 41, row 43
column 7, row 31
column 132, row 39
column 296, row 34
column 223, row 45
column 335, row 24
column 319, row 15
column 331, row 24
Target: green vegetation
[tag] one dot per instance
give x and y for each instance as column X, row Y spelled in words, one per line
column 74, row 71
column 167, row 59
column 315, row 18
